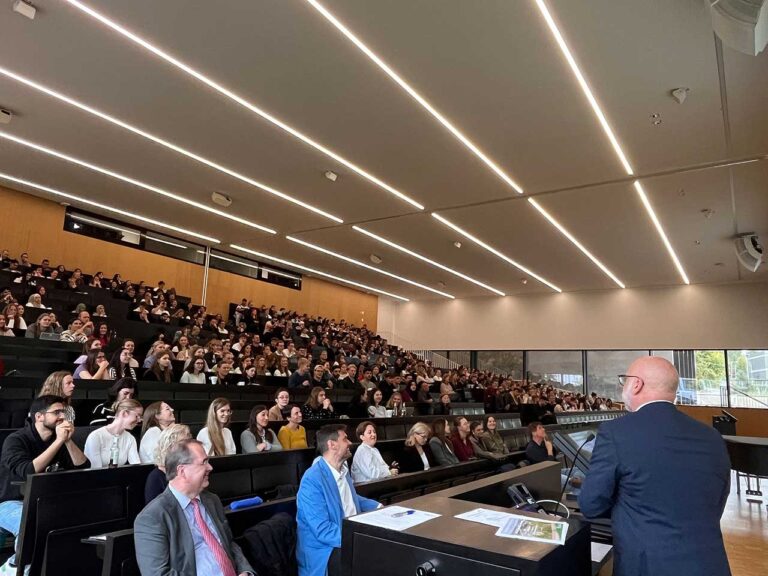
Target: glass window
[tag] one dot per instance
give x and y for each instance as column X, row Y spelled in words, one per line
column 748, row 377
column 603, row 367
column 561, row 369
column 508, row 362
column 461, row 357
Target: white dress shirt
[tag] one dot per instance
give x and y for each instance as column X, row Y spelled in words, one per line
column 368, row 464
column 345, row 493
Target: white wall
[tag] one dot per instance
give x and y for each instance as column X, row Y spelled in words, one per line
column 700, row 316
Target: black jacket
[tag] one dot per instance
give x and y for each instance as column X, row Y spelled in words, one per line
column 19, row 449
column 410, row 461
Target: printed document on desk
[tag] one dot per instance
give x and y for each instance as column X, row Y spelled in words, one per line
column 394, row 517
column 485, row 516
column 533, row 529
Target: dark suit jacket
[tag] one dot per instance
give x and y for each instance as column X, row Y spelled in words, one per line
column 164, row 545
column 410, row 461
column 664, row 478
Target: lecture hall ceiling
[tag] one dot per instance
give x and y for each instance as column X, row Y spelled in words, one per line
column 491, row 69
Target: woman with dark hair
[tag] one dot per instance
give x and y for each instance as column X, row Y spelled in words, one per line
column 443, row 407
column 216, row 437
column 161, row 370
column 95, row 367
column 120, row 365
column 123, row 389
column 258, row 437
column 157, row 417
column 318, row 406
column 492, row 440
column 102, row 334
column 376, row 408
column 281, row 410
column 368, row 464
column 293, row 436
column 440, row 443
column 358, row 404
column 194, row 373
column 410, row 392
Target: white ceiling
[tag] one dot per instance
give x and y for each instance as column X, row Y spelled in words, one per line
column 492, row 68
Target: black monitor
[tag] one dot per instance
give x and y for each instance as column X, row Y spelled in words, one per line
column 569, row 441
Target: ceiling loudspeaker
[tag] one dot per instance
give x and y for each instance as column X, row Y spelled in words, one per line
column 221, row 199
column 749, row 251
column 5, row 116
column 741, row 24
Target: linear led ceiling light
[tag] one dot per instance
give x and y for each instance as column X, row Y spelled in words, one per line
column 156, row 139
column 133, row 181
column 106, row 208
column 238, row 99
column 552, row 25
column 493, row 251
column 313, row 271
column 413, row 94
column 427, row 260
column 367, row 266
column 575, row 242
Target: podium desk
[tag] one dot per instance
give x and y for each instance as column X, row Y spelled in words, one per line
column 448, row 546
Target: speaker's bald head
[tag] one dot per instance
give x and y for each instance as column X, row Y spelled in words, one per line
column 659, row 375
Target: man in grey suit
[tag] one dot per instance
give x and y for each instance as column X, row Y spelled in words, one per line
column 183, row 532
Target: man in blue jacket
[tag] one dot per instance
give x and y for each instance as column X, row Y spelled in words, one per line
column 664, row 479
column 326, row 497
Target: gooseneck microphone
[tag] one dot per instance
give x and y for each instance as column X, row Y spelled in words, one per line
column 570, row 470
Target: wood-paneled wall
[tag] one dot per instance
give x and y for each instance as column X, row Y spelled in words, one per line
column 36, row 225
column 752, row 421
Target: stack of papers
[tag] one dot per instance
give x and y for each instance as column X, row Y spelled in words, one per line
column 518, row 526
column 394, row 517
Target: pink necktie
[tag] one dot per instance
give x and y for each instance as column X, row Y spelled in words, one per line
column 218, row 551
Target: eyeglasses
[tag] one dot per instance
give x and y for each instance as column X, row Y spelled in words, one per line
column 59, row 412
column 624, row 377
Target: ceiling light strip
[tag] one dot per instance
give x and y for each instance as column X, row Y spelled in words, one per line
column 239, row 99
column 647, row 203
column 318, row 272
column 174, row 244
column 552, row 25
column 133, row 181
column 575, row 242
column 493, row 251
column 414, row 94
column 156, row 139
column 367, row 266
column 427, row 260
column 144, row 219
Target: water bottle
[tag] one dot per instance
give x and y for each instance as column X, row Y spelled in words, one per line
column 114, row 454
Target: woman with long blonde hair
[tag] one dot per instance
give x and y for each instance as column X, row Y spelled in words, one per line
column 216, row 438
column 61, row 384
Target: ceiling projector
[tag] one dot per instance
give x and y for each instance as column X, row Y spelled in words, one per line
column 749, row 251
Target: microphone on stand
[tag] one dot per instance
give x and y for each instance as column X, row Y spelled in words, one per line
column 570, row 470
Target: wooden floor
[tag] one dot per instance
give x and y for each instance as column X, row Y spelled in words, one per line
column 745, row 530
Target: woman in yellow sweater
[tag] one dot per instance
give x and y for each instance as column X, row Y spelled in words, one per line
column 293, row 435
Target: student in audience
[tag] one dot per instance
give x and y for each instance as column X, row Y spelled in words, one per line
column 114, row 444
column 258, row 437
column 410, row 392
column 443, row 408
column 462, row 447
column 184, row 530
column 293, row 435
column 157, row 481
column 4, row 330
column 318, row 406
column 221, row 373
column 101, row 312
column 130, row 345
column 41, row 326
column 476, row 439
column 162, row 369
column 195, row 372
column 75, row 332
column 181, row 348
column 282, row 368
column 491, row 440
column 368, row 464
column 440, row 443
column 157, row 417
column 44, row 445
column 416, row 455
column 281, row 410
column 123, row 389
column 301, row 377
column 540, row 448
column 326, row 496
column 95, row 367
column 396, row 404
column 216, row 437
column 102, row 334
column 261, row 366
column 35, row 301
column 13, row 318
column 375, row 407
column 120, row 365
column 62, row 385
